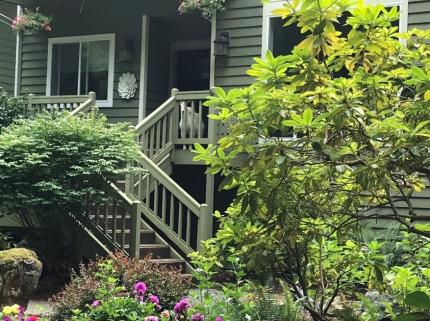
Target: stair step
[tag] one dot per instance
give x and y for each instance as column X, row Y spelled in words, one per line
column 146, row 236
column 172, row 263
column 158, row 251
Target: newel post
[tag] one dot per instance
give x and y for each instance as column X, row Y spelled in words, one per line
column 92, row 97
column 135, row 230
column 204, row 226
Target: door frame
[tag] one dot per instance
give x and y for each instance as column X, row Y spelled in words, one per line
column 186, row 45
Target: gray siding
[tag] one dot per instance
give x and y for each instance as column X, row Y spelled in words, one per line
column 7, row 49
column 419, row 14
column 243, row 19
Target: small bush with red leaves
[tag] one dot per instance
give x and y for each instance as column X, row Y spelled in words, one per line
column 165, row 282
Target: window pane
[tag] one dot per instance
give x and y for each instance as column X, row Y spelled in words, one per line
column 65, row 66
column 95, row 68
column 283, row 39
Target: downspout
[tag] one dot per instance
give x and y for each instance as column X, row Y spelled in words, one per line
column 18, row 57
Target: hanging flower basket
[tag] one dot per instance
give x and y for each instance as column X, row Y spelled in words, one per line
column 206, row 7
column 32, row 22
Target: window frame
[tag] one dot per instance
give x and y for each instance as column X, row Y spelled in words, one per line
column 80, row 39
column 274, row 4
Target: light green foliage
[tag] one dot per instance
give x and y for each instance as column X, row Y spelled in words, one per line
column 360, row 104
column 56, row 160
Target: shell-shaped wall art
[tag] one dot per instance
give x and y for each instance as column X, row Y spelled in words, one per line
column 127, row 86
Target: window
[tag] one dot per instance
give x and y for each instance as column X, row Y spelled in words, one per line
column 281, row 40
column 78, row 65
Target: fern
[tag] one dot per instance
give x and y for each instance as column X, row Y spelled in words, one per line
column 346, row 314
column 269, row 307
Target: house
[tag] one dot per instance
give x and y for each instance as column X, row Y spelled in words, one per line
column 94, row 43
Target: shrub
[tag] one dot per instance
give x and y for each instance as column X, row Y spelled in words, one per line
column 56, row 160
column 11, row 108
column 166, row 283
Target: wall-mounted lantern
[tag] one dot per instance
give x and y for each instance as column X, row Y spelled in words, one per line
column 222, row 44
column 126, row 52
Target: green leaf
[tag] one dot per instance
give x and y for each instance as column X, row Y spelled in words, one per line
column 418, row 299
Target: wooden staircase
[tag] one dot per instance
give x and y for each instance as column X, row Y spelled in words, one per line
column 149, row 213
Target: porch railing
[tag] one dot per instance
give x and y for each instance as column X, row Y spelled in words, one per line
column 73, row 104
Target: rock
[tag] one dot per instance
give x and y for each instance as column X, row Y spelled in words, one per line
column 20, row 271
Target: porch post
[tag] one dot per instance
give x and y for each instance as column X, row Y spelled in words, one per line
column 143, row 86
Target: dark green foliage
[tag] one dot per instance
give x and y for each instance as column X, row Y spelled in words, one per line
column 50, row 164
column 11, row 108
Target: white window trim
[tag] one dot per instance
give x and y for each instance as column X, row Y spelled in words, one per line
column 275, row 4
column 74, row 39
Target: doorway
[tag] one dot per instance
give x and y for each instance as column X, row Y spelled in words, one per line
column 190, row 65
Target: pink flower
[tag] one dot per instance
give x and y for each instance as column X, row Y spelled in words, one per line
column 140, row 288
column 219, row 318
column 6, row 318
column 182, row 306
column 32, row 318
column 151, row 318
column 198, row 317
column 96, row 303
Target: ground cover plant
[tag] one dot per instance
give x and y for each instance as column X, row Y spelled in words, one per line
column 359, row 103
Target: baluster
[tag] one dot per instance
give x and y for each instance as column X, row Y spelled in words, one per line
column 106, row 218
column 155, row 197
column 193, row 106
column 171, row 125
column 163, row 205
column 172, row 211
column 188, row 237
column 145, row 142
column 200, row 134
column 114, row 217
column 97, row 220
column 164, row 135
column 148, row 186
column 180, row 220
column 151, row 142
column 139, row 187
column 185, row 121
column 124, row 212
column 158, row 138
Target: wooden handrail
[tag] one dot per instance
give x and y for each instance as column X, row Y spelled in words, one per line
column 156, row 115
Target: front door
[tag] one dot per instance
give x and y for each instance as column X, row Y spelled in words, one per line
column 191, row 69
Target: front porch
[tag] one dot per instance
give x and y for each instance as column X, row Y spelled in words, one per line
column 94, row 42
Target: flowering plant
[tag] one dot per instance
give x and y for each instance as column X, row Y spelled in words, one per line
column 16, row 313
column 206, row 7
column 32, row 21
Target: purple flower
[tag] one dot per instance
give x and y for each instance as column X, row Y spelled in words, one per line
column 96, row 303
column 151, row 318
column 219, row 318
column 182, row 306
column 6, row 318
column 140, row 288
column 198, row 317
column 154, row 299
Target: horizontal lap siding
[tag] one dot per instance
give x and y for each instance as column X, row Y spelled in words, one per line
column 34, row 63
column 419, row 14
column 243, row 19
column 7, row 49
